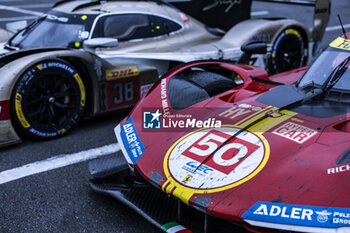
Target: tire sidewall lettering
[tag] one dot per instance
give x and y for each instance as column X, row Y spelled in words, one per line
column 20, row 90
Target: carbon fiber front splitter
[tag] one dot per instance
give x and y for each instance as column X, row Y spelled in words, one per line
column 111, row 177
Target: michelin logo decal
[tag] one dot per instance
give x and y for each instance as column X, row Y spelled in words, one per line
column 313, row 216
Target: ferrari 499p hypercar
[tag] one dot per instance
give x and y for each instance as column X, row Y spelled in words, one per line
column 44, row 92
column 158, row 34
column 232, row 147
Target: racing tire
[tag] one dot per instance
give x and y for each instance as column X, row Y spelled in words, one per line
column 47, row 100
column 289, row 51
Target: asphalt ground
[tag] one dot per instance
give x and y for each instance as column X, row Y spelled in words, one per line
column 60, row 199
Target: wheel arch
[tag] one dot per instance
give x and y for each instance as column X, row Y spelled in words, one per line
column 297, row 26
column 81, row 61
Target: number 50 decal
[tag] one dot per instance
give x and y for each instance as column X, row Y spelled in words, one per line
column 227, row 158
column 237, row 161
column 122, row 92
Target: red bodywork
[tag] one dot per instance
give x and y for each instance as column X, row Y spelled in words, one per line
column 298, row 153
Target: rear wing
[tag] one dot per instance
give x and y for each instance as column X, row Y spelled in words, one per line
column 225, row 14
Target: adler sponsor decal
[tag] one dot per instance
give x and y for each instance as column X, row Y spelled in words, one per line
column 301, row 215
column 295, row 132
column 131, row 140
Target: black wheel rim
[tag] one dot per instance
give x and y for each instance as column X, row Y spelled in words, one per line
column 289, row 53
column 51, row 101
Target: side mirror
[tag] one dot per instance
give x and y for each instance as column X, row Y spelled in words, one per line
column 101, row 43
column 254, row 47
column 250, row 48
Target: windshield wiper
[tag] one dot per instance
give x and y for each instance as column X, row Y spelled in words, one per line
column 335, row 76
column 30, row 27
column 24, row 31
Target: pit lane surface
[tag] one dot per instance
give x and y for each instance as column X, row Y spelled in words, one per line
column 60, row 199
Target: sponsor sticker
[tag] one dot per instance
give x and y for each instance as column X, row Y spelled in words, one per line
column 151, row 120
column 340, row 43
column 184, row 17
column 122, row 92
column 4, row 110
column 237, row 161
column 240, row 110
column 131, row 140
column 122, row 73
column 164, row 96
column 301, row 215
column 338, row 169
column 157, row 120
column 295, row 132
column 144, row 89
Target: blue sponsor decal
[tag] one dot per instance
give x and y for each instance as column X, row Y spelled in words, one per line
column 131, row 140
column 200, row 170
column 301, row 215
column 151, row 120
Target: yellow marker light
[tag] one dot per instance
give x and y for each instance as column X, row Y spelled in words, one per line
column 158, row 27
column 84, row 17
column 77, row 44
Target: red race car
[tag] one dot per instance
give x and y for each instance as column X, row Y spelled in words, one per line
column 236, row 149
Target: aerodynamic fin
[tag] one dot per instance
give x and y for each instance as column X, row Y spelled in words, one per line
column 226, row 13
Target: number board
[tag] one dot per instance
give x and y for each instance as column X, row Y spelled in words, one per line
column 123, row 92
column 237, row 161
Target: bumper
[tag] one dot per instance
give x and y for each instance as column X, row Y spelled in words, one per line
column 111, row 176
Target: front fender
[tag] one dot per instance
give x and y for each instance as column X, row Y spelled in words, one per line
column 11, row 71
column 264, row 30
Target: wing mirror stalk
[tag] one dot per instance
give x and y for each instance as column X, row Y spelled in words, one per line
column 250, row 48
column 101, row 43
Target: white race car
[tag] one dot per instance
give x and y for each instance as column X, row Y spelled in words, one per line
column 159, row 34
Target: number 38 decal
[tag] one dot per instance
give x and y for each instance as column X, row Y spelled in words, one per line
column 237, row 161
column 122, row 92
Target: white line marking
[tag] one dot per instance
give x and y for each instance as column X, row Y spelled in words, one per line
column 259, row 13
column 56, row 162
column 335, row 28
column 15, row 9
column 17, row 18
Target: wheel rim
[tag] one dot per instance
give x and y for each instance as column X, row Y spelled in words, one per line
column 288, row 52
column 50, row 101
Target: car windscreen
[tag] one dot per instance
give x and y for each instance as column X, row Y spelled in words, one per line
column 322, row 68
column 55, row 29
